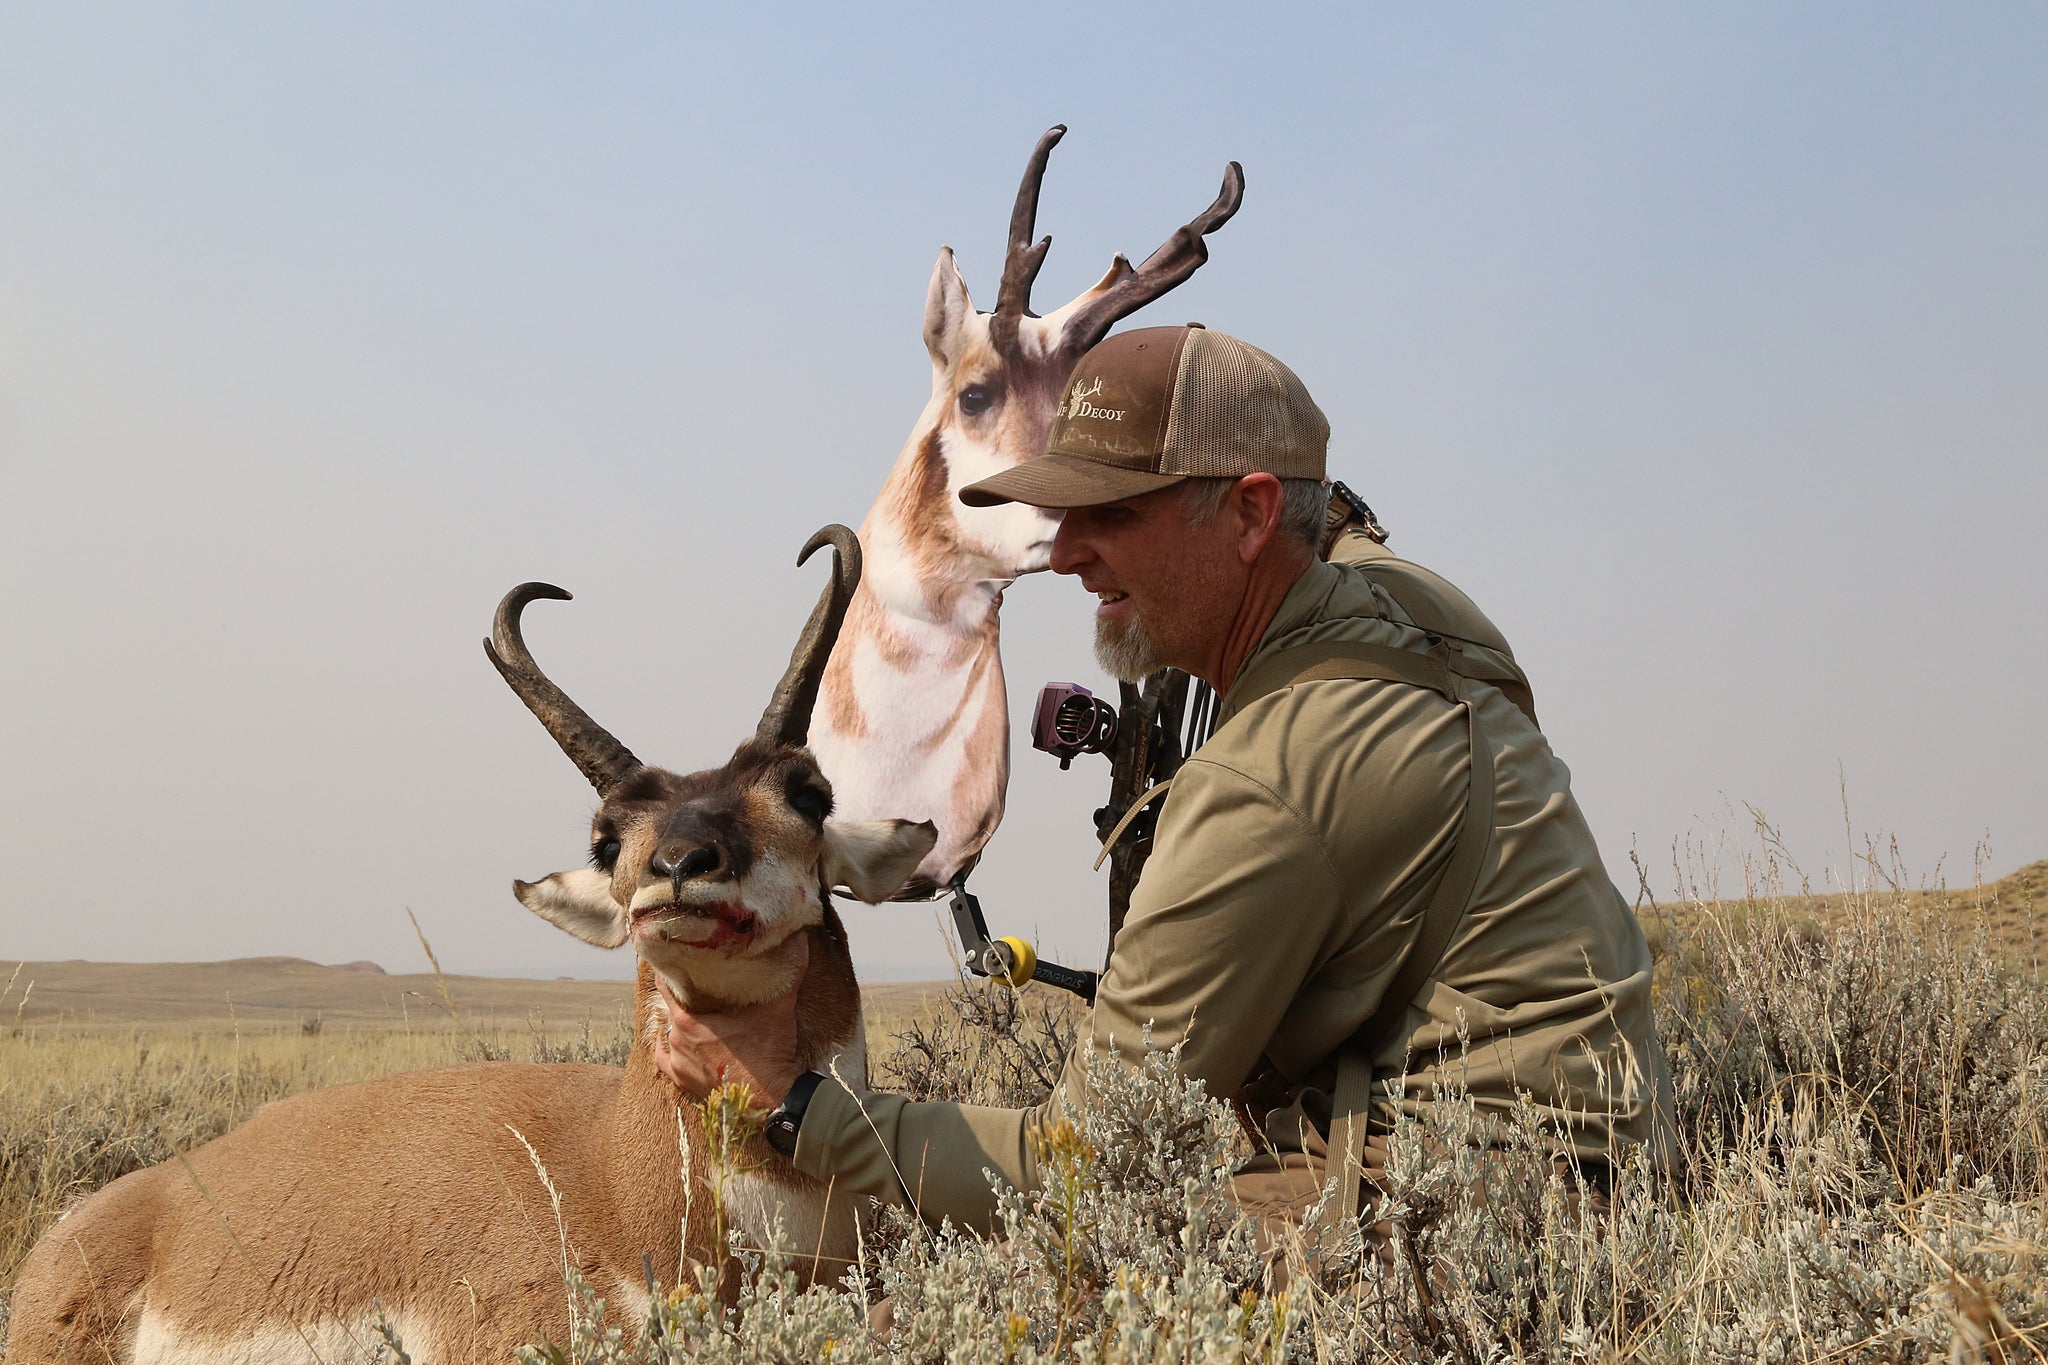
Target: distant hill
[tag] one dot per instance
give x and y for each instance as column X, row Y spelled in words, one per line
column 2012, row 912
column 272, row 992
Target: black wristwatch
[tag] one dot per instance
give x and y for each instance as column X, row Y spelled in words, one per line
column 785, row 1119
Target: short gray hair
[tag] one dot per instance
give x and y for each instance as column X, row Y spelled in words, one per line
column 1304, row 505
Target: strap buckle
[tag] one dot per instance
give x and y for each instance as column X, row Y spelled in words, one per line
column 1348, row 511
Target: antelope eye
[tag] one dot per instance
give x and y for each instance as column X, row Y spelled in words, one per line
column 810, row 802
column 604, row 854
column 976, row 399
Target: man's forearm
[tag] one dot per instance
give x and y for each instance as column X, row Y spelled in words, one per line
column 931, row 1158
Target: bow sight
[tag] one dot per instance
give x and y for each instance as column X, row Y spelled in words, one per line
column 1070, row 721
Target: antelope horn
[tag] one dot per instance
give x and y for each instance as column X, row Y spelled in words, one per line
column 589, row 745
column 788, row 717
column 1179, row 257
column 1023, row 259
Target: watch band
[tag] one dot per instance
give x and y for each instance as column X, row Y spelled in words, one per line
column 786, row 1119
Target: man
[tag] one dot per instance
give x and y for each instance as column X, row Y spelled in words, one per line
column 1336, row 917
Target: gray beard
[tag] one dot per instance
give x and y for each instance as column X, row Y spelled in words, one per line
column 1128, row 654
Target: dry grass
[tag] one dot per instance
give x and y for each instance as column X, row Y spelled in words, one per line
column 2009, row 916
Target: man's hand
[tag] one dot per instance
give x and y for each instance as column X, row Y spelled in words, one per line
column 754, row 1044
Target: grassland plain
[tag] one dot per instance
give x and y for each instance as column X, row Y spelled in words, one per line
column 260, row 994
column 1863, row 1111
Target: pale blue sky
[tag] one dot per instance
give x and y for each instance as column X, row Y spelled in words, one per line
column 1704, row 346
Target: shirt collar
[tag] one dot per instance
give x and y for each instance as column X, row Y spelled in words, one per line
column 1303, row 605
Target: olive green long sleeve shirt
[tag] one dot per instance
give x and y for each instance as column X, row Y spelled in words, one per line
column 1292, row 861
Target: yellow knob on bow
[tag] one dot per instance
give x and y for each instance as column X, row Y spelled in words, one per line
column 1023, row 960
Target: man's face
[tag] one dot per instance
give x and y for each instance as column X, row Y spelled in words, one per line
column 1166, row 588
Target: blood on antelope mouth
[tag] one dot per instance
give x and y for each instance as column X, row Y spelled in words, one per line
column 730, row 923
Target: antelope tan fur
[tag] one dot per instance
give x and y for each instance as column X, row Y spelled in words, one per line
column 915, row 720
column 420, row 1196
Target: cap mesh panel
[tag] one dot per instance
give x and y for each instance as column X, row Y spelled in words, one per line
column 1237, row 410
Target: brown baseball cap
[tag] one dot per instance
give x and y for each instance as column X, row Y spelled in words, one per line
column 1150, row 407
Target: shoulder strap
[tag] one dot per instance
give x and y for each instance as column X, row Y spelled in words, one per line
column 1332, row 659
column 1410, row 587
column 1440, row 919
column 1438, row 672
column 1343, row 659
column 1512, row 684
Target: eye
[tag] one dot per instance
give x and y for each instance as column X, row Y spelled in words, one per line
column 604, row 854
column 976, row 399
column 813, row 803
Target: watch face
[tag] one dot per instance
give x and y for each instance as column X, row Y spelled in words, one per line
column 781, row 1134
column 781, row 1125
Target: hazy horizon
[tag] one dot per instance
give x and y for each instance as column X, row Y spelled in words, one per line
column 1703, row 347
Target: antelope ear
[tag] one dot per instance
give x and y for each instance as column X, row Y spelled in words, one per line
column 874, row 858
column 946, row 310
column 579, row 902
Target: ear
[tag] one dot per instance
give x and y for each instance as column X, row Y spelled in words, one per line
column 874, row 858
column 946, row 310
column 578, row 901
column 1258, row 499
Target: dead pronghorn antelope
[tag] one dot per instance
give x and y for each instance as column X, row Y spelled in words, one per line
column 915, row 720
column 418, row 1196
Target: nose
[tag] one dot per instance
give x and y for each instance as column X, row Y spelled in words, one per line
column 679, row 860
column 1069, row 549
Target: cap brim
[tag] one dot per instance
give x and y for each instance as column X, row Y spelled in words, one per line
column 1063, row 481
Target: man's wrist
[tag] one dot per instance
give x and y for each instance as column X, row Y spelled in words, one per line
column 785, row 1120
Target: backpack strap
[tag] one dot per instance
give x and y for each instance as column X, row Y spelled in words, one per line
column 1331, row 659
column 1438, row 672
column 1510, row 682
column 1413, row 598
column 1440, row 919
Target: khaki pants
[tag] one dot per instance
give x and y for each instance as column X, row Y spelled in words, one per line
column 1281, row 1189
